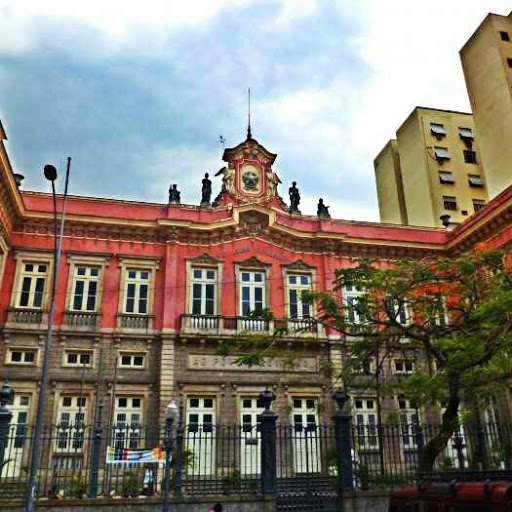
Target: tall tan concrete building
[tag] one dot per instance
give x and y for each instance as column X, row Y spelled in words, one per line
column 487, row 63
column 431, row 169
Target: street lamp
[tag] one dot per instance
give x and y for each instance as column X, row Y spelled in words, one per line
column 172, row 414
column 50, row 173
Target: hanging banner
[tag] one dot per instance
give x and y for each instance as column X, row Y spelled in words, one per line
column 126, row 456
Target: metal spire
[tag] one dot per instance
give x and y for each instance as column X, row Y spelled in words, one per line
column 249, row 134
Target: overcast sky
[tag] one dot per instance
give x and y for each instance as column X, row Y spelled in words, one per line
column 137, row 93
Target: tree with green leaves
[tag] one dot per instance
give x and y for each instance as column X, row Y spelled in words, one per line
column 455, row 311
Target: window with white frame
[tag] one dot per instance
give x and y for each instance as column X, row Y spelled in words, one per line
column 22, row 356
column 298, row 307
column 365, row 415
column 351, row 294
column 252, row 291
column 85, row 288
column 127, row 422
column 403, row 366
column 362, row 366
column 71, row 416
column 409, row 421
column 136, row 299
column 78, row 358
column 32, row 285
column 136, row 360
column 203, row 296
column 398, row 310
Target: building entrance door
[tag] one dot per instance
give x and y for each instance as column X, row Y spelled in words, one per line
column 17, row 443
column 201, row 435
column 306, row 449
column 250, row 442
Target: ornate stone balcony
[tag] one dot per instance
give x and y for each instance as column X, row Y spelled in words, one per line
column 130, row 321
column 216, row 324
column 81, row 319
column 26, row 317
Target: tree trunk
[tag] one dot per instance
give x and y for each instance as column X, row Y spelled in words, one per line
column 448, row 426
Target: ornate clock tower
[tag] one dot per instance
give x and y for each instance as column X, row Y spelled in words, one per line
column 248, row 176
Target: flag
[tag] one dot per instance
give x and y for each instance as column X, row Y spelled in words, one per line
column 125, row 456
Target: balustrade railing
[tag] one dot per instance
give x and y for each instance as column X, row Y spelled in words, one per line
column 25, row 316
column 81, row 319
column 128, row 321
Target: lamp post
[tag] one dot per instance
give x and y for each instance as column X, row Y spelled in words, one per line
column 6, row 397
column 50, row 173
column 172, row 414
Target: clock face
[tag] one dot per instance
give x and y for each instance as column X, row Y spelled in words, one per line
column 250, row 178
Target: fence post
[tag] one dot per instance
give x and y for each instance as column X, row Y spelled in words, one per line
column 481, row 454
column 6, row 396
column 178, row 463
column 342, row 420
column 268, row 420
column 95, row 455
column 420, row 440
column 458, row 444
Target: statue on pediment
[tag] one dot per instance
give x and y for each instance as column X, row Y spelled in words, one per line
column 294, row 194
column 206, row 191
column 322, row 210
column 228, row 179
column 174, row 194
column 273, row 181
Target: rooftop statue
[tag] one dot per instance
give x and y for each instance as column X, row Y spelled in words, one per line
column 322, row 210
column 228, row 179
column 206, row 192
column 174, row 195
column 293, row 192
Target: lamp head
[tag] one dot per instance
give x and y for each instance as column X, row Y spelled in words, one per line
column 172, row 411
column 50, row 173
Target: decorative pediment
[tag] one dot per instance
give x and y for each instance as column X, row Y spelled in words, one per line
column 253, row 222
column 299, row 265
column 253, row 262
column 204, row 259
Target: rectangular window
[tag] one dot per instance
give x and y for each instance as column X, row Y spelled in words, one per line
column 252, row 291
column 403, row 366
column 71, row 416
column 437, row 130
column 85, row 288
column 449, row 203
column 446, row 178
column 466, row 133
column 204, row 287
column 441, row 154
column 475, row 180
column 504, row 36
column 469, row 156
column 509, row 62
column 33, row 282
column 365, row 416
column 132, row 360
column 298, row 306
column 361, row 366
column 137, row 291
column 22, row 356
column 351, row 294
column 127, row 422
column 409, row 420
column 78, row 358
column 478, row 205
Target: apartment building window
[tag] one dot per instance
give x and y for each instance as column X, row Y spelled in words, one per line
column 135, row 360
column 33, row 283
column 446, row 178
column 450, row 203
column 403, row 366
column 204, row 284
column 298, row 307
column 71, row 416
column 478, row 205
column 78, row 358
column 351, row 295
column 409, row 419
column 397, row 309
column 360, row 366
column 85, row 288
column 469, row 156
column 137, row 291
column 509, row 62
column 475, row 180
column 437, row 130
column 441, row 154
column 252, row 291
column 21, row 356
column 504, row 36
column 365, row 414
column 127, row 422
column 466, row 133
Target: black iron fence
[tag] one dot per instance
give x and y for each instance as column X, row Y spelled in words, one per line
column 127, row 460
